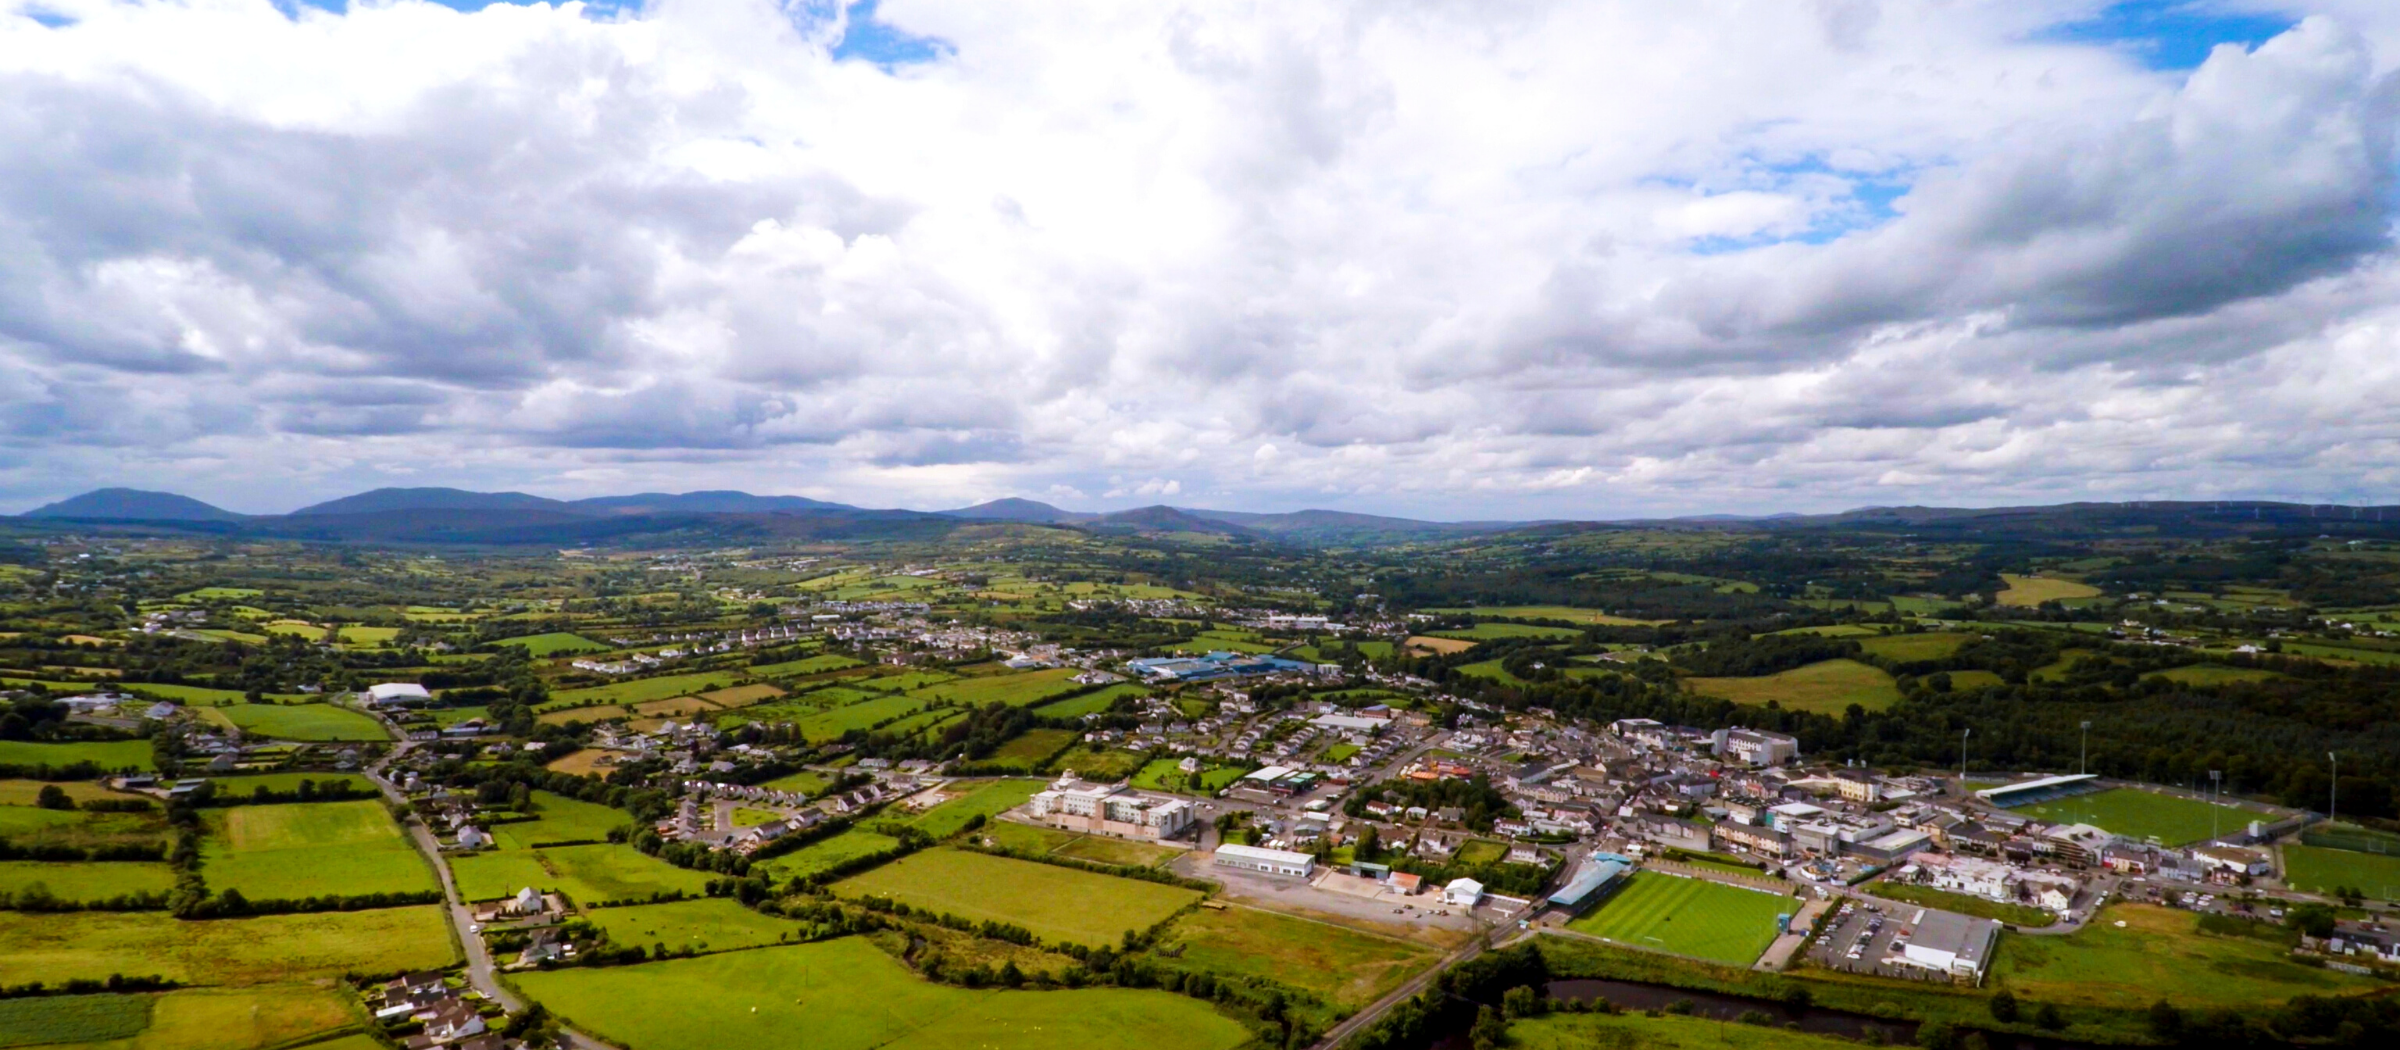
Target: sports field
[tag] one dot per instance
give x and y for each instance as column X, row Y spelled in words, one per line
column 264, row 950
column 1694, row 917
column 2317, row 869
column 714, row 924
column 107, row 754
column 2171, row 819
column 847, row 995
column 2158, row 953
column 1349, row 968
column 1059, row 904
column 308, row 722
column 588, row 875
column 1827, row 687
column 308, row 850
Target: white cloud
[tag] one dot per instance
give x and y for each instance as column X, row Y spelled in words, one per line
column 1440, row 258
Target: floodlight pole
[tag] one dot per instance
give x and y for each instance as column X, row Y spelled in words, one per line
column 2216, row 791
column 2333, row 800
column 2083, row 763
column 1962, row 759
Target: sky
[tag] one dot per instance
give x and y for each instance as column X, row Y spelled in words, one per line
column 1475, row 259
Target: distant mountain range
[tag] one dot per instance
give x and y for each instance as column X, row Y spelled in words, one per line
column 445, row 515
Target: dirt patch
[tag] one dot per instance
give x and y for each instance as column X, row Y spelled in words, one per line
column 1439, row 646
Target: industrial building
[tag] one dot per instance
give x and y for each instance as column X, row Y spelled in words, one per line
column 1265, row 861
column 1953, row 944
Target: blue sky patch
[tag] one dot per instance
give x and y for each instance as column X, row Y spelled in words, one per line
column 2173, row 34
column 874, row 40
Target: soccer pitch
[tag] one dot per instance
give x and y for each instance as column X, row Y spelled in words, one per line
column 2171, row 819
column 1694, row 917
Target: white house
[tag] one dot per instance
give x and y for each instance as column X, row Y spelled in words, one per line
column 472, row 837
column 1462, row 893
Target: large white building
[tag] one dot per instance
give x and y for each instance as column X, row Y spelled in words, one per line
column 397, row 694
column 1110, row 809
column 1953, row 944
column 1267, row 861
column 1754, row 747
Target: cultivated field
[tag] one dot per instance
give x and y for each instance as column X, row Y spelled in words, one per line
column 263, row 950
column 26, row 792
column 1031, row 749
column 188, row 1019
column 639, row 690
column 1561, row 1031
column 830, row 725
column 1694, row 917
column 308, row 850
column 1089, row 703
column 1432, row 644
column 1827, row 687
column 80, row 829
column 2170, row 819
column 2319, row 870
column 2158, row 953
column 1055, row 903
column 711, row 925
column 2029, row 591
column 2215, row 674
column 1348, row 968
column 1547, row 612
column 847, row 995
column 588, row 875
column 740, row 695
column 1484, row 632
column 308, row 722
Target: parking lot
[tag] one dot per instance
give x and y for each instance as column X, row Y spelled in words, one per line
column 1862, row 934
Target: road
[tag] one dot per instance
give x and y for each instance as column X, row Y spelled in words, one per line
column 1358, row 1022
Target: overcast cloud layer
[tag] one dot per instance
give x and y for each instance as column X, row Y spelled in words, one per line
column 1459, row 259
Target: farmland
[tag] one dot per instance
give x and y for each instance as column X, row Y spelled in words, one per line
column 2029, row 591
column 1029, row 750
column 558, row 818
column 309, row 722
column 82, row 881
column 805, row 666
column 310, row 849
column 639, row 690
column 1089, row 703
column 72, row 1018
column 825, row 854
column 711, row 924
column 588, row 875
column 1055, row 903
column 553, row 643
column 1692, row 917
column 1547, row 612
column 1015, row 690
column 262, row 950
column 1826, row 687
column 1484, row 632
column 2158, row 952
column 2171, row 819
column 1654, row 1031
column 1346, row 967
column 80, row 829
column 866, row 714
column 986, row 799
column 108, row 754
column 1929, row 645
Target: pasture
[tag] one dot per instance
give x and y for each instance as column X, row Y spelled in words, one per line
column 1016, row 690
column 1099, row 763
column 1484, row 632
column 309, row 849
column 72, row 1018
column 1030, row 749
column 1058, row 904
column 982, row 798
column 25, row 792
column 1568, row 613
column 82, row 881
column 804, row 666
column 805, row 782
column 825, row 854
column 848, row 995
column 263, row 950
column 639, row 690
column 713, row 924
column 314, row 723
column 2215, row 674
column 2318, row 869
column 237, row 787
column 2159, row 952
column 2029, row 591
column 740, row 695
column 2171, row 819
column 187, row 1019
column 553, row 644
column 1093, row 702
column 866, row 714
column 1691, row 917
column 588, row 875
column 1827, row 687
column 107, row 754
column 1166, row 774
column 1622, row 1031
column 1348, row 968
column 558, row 818
column 81, row 829
column 1930, row 645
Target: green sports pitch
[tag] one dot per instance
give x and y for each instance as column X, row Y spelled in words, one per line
column 2171, row 819
column 1691, row 917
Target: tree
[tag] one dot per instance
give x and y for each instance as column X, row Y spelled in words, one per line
column 2004, row 1006
column 2049, row 1018
column 51, row 796
column 1490, row 1031
column 1937, row 1035
column 2166, row 1022
column 2314, row 920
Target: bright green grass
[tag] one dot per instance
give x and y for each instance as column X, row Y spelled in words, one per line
column 588, row 875
column 81, row 829
column 1030, row 749
column 239, row 787
column 75, row 881
column 1349, row 968
column 806, row 782
column 713, row 924
column 2158, row 953
column 906, row 680
column 309, row 850
column 1092, row 702
column 825, row 854
column 107, row 754
column 72, row 1018
column 1568, row 613
column 218, row 594
column 1826, row 687
column 1637, row 1031
column 1931, row 645
column 1484, row 632
column 1059, row 904
column 804, row 666
column 847, row 995
column 1164, row 774
column 222, row 635
column 830, row 725
column 1694, row 917
column 1491, row 669
column 831, row 696
column 1015, row 690
column 1100, row 764
column 640, row 690
column 2215, row 674
column 263, row 950
column 356, row 635
column 554, row 643
column 987, row 799
column 259, row 1017
column 560, row 819
column 2170, row 819
column 307, row 722
column 2319, row 870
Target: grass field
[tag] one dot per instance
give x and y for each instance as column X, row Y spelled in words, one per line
column 1484, row 632
column 107, row 754
column 1030, row 749
column 2159, row 952
column 554, row 643
column 1055, row 903
column 588, row 875
column 308, row 850
column 741, row 695
column 806, row 782
column 308, row 722
column 1016, row 690
column 1491, row 669
column 1694, row 917
column 847, row 995
column 639, row 690
column 1099, row 763
column 26, row 792
column 256, row 1018
column 236, row 787
column 2029, row 591
column 1931, row 645
column 1104, row 849
column 824, row 854
column 86, row 881
column 804, row 666
column 2317, row 869
column 714, row 924
column 264, row 950
column 1549, row 612
column 219, row 594
column 2171, row 819
column 1629, row 1030
column 1166, row 774
column 81, row 829
column 987, row 799
column 560, row 819
column 1348, row 968
column 1828, row 687
column 1090, row 703
column 2215, row 674
column 72, row 1018
column 830, row 725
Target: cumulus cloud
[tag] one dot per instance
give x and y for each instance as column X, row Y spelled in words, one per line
column 1444, row 258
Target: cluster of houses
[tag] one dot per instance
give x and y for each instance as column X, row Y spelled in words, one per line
column 449, row 1018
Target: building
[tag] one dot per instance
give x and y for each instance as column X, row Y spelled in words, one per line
column 1111, row 809
column 1753, row 747
column 1952, row 944
column 1265, row 861
column 1591, row 882
column 2234, row 860
column 1462, row 893
column 1891, row 846
column 2039, row 790
column 397, row 694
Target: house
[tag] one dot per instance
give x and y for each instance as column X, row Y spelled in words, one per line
column 1462, row 893
column 452, row 1021
column 472, row 837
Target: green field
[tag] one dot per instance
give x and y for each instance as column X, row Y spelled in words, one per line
column 237, row 787
column 1165, row 774
column 2029, row 591
column 27, row 792
column 640, row 689
column 1348, row 968
column 2171, row 819
column 847, row 995
column 1625, row 1031
column 2158, row 953
column 260, row 1017
column 560, row 819
column 1827, row 687
column 77, row 881
column 1099, row 763
column 713, row 924
column 219, row 594
column 1964, row 904
column 310, row 849
column 368, row 637
column 1090, row 703
column 1030, row 749
column 1106, row 849
column 824, row 854
column 1059, row 904
column 1484, row 632
column 2215, row 674
column 1931, row 645
column 1015, row 690
column 830, row 725
column 806, row 666
column 588, row 875
column 81, row 829
column 268, row 949
column 1491, row 669
column 1694, row 917
column 554, row 643
column 72, row 1018
column 805, row 782
column 987, row 798
column 1547, row 612
column 307, row 722
column 107, row 754
column 2317, row 869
